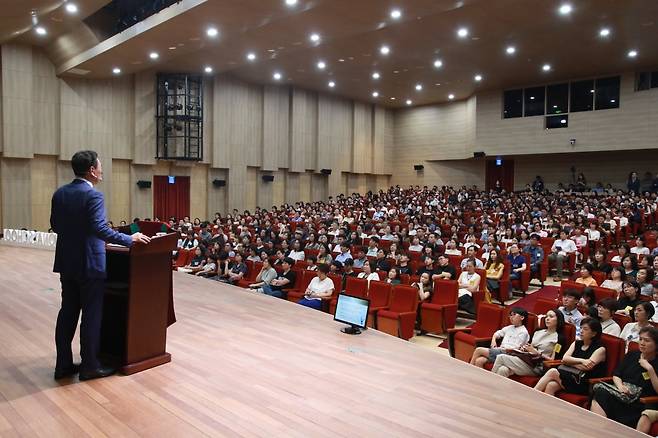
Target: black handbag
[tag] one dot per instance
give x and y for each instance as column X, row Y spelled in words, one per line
column 573, row 373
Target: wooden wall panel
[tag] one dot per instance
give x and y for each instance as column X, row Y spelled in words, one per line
column 17, row 101
column 217, row 196
column 141, row 200
column 276, row 129
column 305, row 187
column 145, row 125
column 250, row 189
column 120, row 202
column 208, row 96
column 199, row 191
column 73, row 100
column 16, row 193
column 334, row 133
column 45, row 99
column 362, row 138
column 319, row 187
column 43, row 181
column 264, row 190
column 454, row 173
column 122, row 118
column 278, row 190
column 303, row 130
column 292, row 187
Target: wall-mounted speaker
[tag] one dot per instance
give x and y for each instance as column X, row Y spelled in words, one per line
column 418, row 167
column 219, row 182
column 326, row 171
column 268, row 178
column 144, row 184
column 479, row 155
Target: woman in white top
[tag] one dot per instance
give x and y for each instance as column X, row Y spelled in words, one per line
column 469, row 282
column 368, row 274
column 606, row 308
column 320, row 288
column 547, row 344
column 616, row 280
column 296, row 253
column 643, row 312
column 265, row 276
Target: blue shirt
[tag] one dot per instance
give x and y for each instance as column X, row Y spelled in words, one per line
column 536, row 254
column 516, row 261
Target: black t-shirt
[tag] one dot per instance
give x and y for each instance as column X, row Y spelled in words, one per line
column 603, row 267
column 447, row 268
column 196, row 261
column 404, row 269
column 291, row 276
column 629, row 370
column 383, row 265
column 424, row 269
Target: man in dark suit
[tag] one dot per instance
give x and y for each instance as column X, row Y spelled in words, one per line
column 78, row 218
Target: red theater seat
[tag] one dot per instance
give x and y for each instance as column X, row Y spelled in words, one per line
column 440, row 314
column 462, row 342
column 400, row 316
column 379, row 294
column 298, row 291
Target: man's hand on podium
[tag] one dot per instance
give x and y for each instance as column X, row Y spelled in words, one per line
column 141, row 238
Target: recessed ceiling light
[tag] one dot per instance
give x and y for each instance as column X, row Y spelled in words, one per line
column 276, row 76
column 477, row 78
column 546, row 67
column 419, row 87
column 71, row 8
column 341, row 60
column 604, row 32
column 314, row 37
column 331, row 84
column 532, row 97
column 451, row 96
column 116, row 70
column 154, row 55
column 322, row 65
column 462, row 32
column 510, row 50
column 291, row 2
column 409, row 102
column 565, row 9
column 612, row 100
column 438, row 63
column 251, row 56
column 392, row 98
column 208, row 69
column 40, row 30
column 376, row 75
column 212, row 32
column 396, row 14
column 385, row 50
column 632, row 53
column 375, row 94
column 172, row 48
column 563, row 121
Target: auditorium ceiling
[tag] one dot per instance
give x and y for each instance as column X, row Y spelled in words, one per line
column 437, row 49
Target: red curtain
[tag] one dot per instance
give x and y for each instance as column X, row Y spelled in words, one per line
column 171, row 199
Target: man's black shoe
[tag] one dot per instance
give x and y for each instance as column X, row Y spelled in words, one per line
column 97, row 373
column 67, row 372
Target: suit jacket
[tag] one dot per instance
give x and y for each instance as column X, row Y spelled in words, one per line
column 78, row 217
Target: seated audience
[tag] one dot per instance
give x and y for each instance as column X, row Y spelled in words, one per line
column 469, row 282
column 546, row 344
column 264, row 277
column 321, row 287
column 368, row 274
column 629, row 299
column 606, row 308
column 514, row 337
column 633, row 378
column 494, row 272
column 586, row 275
column 584, row 360
column 616, row 280
column 643, row 313
column 644, row 278
column 569, row 308
column 471, row 255
column 285, row 280
column 560, row 251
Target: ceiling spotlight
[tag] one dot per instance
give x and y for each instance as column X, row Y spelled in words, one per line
column 632, row 53
column 71, row 8
column 116, row 70
column 565, row 9
column 375, row 94
column 385, row 50
column 419, row 87
column 409, row 102
column 291, row 2
column 277, row 76
column 375, row 75
column 251, row 56
column 396, row 14
column 604, row 32
column 331, row 84
column 212, row 32
column 154, row 55
column 451, row 96
column 314, row 37
column 392, row 98
column 40, row 30
column 322, row 65
column 546, row 67
column 477, row 78
column 510, row 50
column 462, row 33
column 438, row 63
column 208, row 69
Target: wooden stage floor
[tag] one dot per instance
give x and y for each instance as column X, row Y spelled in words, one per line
column 251, row 365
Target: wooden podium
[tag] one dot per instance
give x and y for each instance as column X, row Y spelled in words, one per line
column 138, row 305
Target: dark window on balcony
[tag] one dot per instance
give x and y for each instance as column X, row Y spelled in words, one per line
column 534, row 101
column 512, row 104
column 557, row 99
column 582, row 96
column 554, row 122
column 607, row 93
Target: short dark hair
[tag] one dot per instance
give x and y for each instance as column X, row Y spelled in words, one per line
column 648, row 308
column 324, row 268
column 289, row 260
column 652, row 332
column 82, row 161
column 594, row 325
column 610, row 304
column 520, row 311
column 571, row 293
